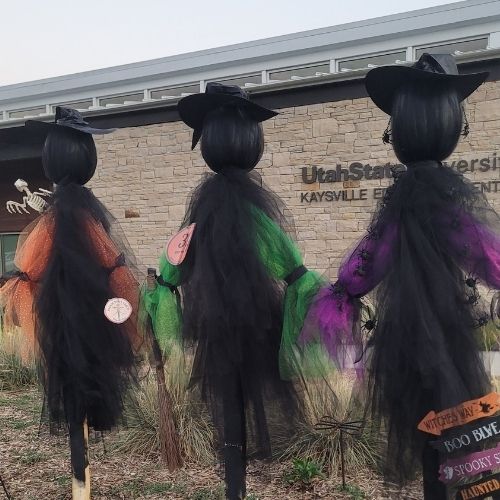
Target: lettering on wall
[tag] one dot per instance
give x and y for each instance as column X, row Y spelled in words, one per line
column 357, row 171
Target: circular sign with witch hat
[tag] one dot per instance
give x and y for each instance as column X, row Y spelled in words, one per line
column 118, row 310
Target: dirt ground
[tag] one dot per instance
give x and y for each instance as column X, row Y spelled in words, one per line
column 35, row 466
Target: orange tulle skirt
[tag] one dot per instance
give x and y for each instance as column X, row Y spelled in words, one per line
column 17, row 295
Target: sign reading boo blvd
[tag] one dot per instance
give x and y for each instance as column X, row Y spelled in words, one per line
column 357, row 171
column 469, row 435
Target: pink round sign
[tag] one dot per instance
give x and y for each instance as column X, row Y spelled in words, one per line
column 118, row 310
column 177, row 245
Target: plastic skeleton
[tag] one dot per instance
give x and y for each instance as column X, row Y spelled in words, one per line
column 33, row 200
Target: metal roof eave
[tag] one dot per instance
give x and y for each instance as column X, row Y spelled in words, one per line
column 270, row 88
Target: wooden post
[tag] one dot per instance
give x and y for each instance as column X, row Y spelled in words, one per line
column 433, row 488
column 235, row 446
column 79, row 443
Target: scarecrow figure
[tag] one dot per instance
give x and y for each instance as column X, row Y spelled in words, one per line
column 431, row 239
column 74, row 297
column 231, row 261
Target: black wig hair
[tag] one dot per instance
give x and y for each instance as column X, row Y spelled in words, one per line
column 69, row 156
column 85, row 359
column 231, row 139
column 426, row 122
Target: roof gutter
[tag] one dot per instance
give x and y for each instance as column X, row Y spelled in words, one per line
column 267, row 89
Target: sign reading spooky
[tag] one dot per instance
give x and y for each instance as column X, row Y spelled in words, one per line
column 468, row 435
column 435, row 423
column 469, row 465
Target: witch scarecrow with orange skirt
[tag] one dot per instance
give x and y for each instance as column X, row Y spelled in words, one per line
column 74, row 296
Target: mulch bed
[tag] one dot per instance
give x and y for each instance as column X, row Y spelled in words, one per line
column 35, row 466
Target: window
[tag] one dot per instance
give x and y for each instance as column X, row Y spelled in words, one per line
column 375, row 60
column 8, row 245
column 454, row 47
column 121, row 99
column 171, row 92
column 241, row 81
column 24, row 113
column 297, row 73
column 79, row 105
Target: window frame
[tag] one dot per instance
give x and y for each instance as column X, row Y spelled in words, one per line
column 172, row 87
column 226, row 80
column 71, row 104
column 403, row 50
column 41, row 106
column 121, row 94
column 486, row 37
column 302, row 66
column 2, row 249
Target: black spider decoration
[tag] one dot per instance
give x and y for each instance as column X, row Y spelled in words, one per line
column 485, row 407
column 351, row 428
column 370, row 325
column 471, row 282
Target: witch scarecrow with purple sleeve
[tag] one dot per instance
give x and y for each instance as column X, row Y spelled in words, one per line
column 430, row 242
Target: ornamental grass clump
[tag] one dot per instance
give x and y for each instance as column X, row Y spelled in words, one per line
column 330, row 400
column 192, row 422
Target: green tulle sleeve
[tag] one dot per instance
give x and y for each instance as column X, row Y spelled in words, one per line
column 281, row 257
column 163, row 306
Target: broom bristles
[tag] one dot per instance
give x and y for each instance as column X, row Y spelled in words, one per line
column 169, row 438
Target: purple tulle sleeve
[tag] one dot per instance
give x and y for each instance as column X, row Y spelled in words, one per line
column 368, row 264
column 475, row 245
column 333, row 317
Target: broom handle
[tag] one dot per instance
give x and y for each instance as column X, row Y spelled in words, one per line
column 80, row 489
column 169, row 440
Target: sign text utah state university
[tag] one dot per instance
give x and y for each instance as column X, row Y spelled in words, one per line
column 358, row 171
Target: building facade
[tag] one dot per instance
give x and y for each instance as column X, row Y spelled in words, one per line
column 324, row 153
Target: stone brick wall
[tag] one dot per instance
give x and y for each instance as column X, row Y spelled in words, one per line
column 145, row 174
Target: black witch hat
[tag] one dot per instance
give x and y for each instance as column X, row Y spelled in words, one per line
column 383, row 83
column 194, row 108
column 68, row 117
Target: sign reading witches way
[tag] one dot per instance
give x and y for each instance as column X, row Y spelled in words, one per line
column 470, row 465
column 470, row 434
column 435, row 423
column 480, row 489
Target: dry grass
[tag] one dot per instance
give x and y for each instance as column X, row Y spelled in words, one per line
column 489, row 337
column 36, row 467
column 193, row 424
column 14, row 373
column 323, row 446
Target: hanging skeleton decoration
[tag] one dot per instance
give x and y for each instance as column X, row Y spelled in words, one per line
column 33, row 200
